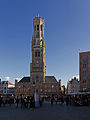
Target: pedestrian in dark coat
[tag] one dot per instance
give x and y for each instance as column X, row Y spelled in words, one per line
column 17, row 101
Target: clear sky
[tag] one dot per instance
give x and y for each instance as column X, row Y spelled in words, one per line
column 67, row 29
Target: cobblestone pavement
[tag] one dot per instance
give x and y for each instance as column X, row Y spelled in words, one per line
column 46, row 112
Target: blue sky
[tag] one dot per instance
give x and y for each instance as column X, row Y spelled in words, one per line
column 67, row 29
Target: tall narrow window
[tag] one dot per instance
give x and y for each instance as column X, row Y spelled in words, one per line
column 89, row 72
column 38, row 43
column 38, row 54
column 37, row 27
column 34, row 41
column 89, row 61
column 41, row 27
column 37, row 34
column 35, row 54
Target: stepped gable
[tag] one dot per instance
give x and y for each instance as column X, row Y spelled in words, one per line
column 50, row 79
column 24, row 79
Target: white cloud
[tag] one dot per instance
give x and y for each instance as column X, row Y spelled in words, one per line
column 7, row 78
column 18, row 79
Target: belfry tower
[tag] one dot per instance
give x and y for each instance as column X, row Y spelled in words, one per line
column 37, row 67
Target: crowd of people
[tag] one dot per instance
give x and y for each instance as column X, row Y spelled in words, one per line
column 6, row 100
column 24, row 102
column 71, row 100
column 56, row 99
column 78, row 100
column 29, row 101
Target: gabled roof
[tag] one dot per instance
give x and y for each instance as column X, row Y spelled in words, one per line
column 25, row 79
column 50, row 79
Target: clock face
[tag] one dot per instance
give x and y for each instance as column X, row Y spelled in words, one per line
column 37, row 61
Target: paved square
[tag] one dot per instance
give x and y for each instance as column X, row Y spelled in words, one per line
column 46, row 112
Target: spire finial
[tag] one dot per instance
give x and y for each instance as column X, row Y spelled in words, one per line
column 38, row 15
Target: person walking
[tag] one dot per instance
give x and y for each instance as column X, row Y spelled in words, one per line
column 52, row 100
column 25, row 101
column 0, row 101
column 17, row 101
column 4, row 101
column 22, row 102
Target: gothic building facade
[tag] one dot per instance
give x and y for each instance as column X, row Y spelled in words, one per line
column 38, row 81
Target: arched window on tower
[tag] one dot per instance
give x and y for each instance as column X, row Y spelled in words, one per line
column 37, row 53
column 37, row 35
column 38, row 43
column 37, row 27
column 34, row 41
column 37, row 78
column 41, row 27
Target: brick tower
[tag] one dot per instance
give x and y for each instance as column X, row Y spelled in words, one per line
column 37, row 67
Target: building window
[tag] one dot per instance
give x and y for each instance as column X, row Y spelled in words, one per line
column 33, row 83
column 84, row 73
column 84, row 59
column 89, row 80
column 88, row 56
column 38, row 42
column 34, row 41
column 41, row 27
column 89, row 72
column 37, row 34
column 88, row 60
column 37, row 27
column 37, row 77
column 84, row 65
column 52, row 86
column 88, row 85
column 84, row 85
column 36, row 54
column 89, row 64
column 84, row 81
